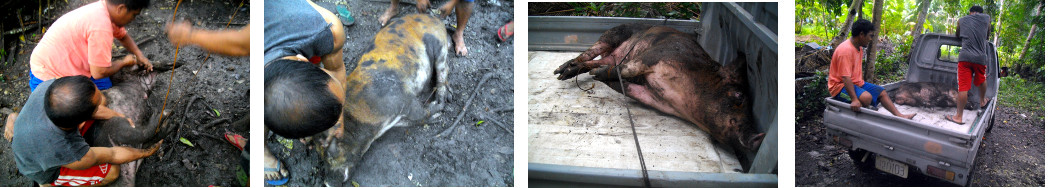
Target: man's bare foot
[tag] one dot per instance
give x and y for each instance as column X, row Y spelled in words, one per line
column 907, row 116
column 9, row 127
column 954, row 119
column 274, row 172
column 985, row 101
column 390, row 12
column 460, row 43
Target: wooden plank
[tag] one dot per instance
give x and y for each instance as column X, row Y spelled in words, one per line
column 569, row 126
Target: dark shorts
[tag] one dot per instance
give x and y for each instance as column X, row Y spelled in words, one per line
column 102, row 84
column 874, row 90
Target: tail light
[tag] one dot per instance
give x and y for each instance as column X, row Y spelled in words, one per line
column 944, row 174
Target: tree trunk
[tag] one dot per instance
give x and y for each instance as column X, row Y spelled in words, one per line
column 1033, row 30
column 871, row 57
column 997, row 31
column 855, row 9
column 923, row 9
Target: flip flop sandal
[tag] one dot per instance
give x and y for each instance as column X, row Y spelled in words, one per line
column 235, row 139
column 504, row 33
column 948, row 118
column 276, row 182
column 345, row 15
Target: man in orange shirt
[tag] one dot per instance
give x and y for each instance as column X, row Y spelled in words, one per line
column 845, row 77
column 80, row 42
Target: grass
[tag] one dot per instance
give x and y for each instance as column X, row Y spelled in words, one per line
column 1021, row 93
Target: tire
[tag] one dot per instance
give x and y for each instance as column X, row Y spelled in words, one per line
column 993, row 118
column 856, row 156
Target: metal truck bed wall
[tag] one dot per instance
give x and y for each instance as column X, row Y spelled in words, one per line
column 734, row 27
column 916, row 144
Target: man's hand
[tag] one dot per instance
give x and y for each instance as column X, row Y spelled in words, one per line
column 179, row 32
column 145, row 63
column 856, row 105
column 132, row 123
column 152, row 150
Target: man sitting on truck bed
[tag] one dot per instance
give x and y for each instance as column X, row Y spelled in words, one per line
column 973, row 30
column 845, row 78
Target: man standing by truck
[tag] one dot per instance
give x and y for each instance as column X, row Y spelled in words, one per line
column 973, row 30
column 845, row 77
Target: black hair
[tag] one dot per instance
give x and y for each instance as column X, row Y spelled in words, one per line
column 976, row 8
column 860, row 27
column 67, row 101
column 298, row 102
column 131, row 4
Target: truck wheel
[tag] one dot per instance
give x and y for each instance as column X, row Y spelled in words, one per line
column 988, row 129
column 856, row 157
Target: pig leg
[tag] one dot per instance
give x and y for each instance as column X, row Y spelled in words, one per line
column 608, row 42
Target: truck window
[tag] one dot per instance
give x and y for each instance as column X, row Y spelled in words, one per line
column 948, row 53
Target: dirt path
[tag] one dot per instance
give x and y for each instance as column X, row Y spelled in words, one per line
column 1011, row 155
column 411, row 156
column 221, row 82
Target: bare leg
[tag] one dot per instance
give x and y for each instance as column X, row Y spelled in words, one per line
column 888, row 104
column 9, row 127
column 462, row 11
column 962, row 100
column 982, row 93
column 390, row 12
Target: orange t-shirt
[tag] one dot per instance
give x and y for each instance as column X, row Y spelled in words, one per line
column 77, row 40
column 846, row 61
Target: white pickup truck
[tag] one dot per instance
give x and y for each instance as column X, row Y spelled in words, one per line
column 901, row 146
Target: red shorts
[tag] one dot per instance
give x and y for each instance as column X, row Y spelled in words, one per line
column 85, row 177
column 964, row 75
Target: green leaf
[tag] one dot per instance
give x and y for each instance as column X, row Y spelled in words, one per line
column 479, row 122
column 216, row 112
column 185, row 141
column 355, row 184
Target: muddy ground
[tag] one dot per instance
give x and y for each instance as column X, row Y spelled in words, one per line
column 412, row 156
column 220, row 82
column 1011, row 155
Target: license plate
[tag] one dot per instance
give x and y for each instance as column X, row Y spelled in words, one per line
column 892, row 167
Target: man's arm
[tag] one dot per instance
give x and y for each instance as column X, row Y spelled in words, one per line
column 850, row 88
column 112, row 155
column 227, row 42
column 105, row 72
column 130, row 45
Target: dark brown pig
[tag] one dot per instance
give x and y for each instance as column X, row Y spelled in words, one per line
column 399, row 81
column 668, row 70
column 928, row 94
column 128, row 96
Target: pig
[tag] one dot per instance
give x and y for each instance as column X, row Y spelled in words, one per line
column 928, row 94
column 400, row 80
column 668, row 70
column 128, row 96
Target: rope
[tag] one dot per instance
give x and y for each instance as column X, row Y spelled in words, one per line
column 633, row 128
column 169, row 81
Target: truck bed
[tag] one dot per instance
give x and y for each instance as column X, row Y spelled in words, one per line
column 934, row 117
column 569, row 126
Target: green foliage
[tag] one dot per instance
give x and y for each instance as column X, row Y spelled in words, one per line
column 1020, row 93
column 671, row 10
column 810, row 97
column 820, row 20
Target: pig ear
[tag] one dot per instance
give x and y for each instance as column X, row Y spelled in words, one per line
column 734, row 72
column 755, row 141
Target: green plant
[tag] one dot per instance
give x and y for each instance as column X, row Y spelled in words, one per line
column 1020, row 93
column 810, row 97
